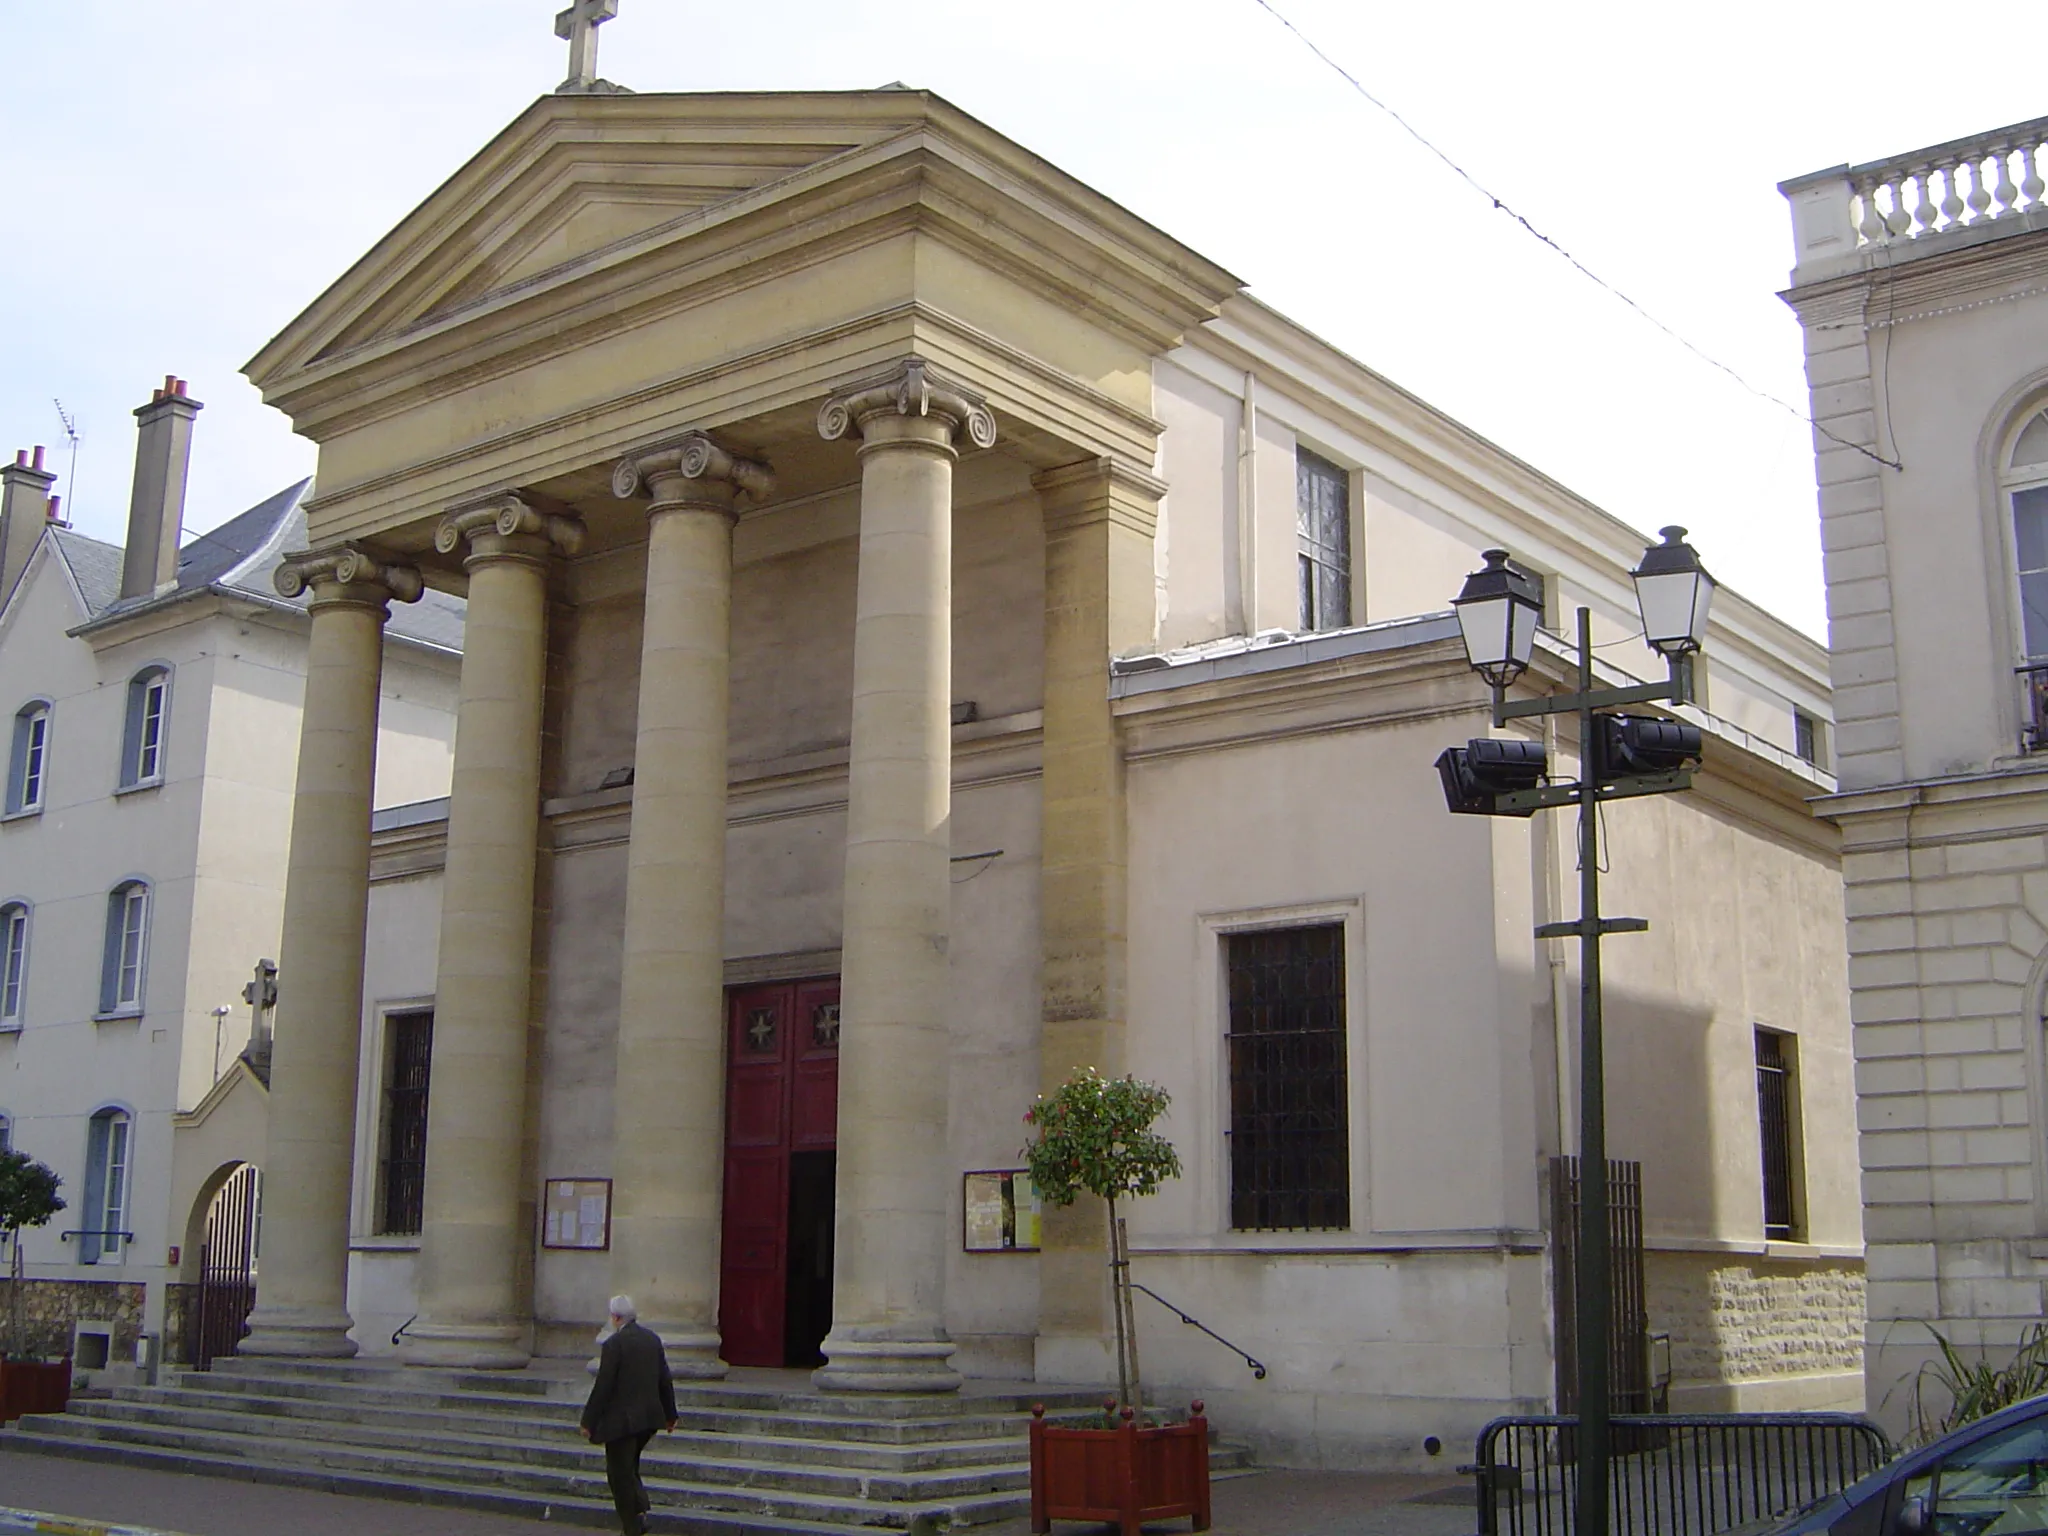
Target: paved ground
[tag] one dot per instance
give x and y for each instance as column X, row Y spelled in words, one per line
column 1263, row 1504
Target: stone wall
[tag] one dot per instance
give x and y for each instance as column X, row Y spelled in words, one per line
column 49, row 1308
column 1736, row 1320
column 179, row 1300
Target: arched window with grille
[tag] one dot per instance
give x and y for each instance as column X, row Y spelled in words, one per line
column 13, row 964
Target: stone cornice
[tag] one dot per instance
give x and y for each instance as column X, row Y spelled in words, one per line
column 1417, row 446
column 667, row 474
column 733, row 389
column 908, row 388
column 509, row 516
column 401, row 320
column 348, row 572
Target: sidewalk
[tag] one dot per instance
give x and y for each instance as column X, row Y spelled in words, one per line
column 1277, row 1503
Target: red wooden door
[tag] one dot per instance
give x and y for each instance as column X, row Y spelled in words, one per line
column 782, row 1096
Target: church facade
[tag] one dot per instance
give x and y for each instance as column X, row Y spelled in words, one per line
column 929, row 632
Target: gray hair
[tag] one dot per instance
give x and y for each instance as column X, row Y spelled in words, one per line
column 622, row 1308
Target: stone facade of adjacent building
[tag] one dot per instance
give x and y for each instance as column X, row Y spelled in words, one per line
column 1922, row 284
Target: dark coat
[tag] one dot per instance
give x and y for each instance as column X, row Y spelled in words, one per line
column 633, row 1394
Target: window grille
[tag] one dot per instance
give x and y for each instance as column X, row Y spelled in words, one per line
column 1805, row 737
column 13, row 963
column 1775, row 1106
column 1322, row 507
column 28, row 762
column 1289, row 1121
column 404, row 1181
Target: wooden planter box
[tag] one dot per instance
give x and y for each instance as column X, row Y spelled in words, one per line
column 1125, row 1475
column 31, row 1386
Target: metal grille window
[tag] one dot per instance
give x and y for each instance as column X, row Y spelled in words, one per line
column 404, row 1184
column 1322, row 510
column 1806, row 737
column 1290, row 1146
column 1776, row 1111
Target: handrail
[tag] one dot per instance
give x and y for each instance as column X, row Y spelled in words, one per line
column 1258, row 1369
column 399, row 1332
column 96, row 1232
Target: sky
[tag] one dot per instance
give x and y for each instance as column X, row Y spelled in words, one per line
column 181, row 180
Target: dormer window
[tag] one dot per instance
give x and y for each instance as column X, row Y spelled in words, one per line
column 142, row 746
column 28, row 762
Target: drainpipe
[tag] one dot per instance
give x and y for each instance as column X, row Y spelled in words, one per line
column 1248, row 507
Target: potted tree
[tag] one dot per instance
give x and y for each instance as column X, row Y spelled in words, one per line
column 1095, row 1137
column 28, row 1198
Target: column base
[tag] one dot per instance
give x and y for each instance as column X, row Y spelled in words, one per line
column 471, row 1346
column 692, row 1352
column 856, row 1364
column 303, row 1333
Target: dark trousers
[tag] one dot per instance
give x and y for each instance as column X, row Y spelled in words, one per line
column 622, row 1470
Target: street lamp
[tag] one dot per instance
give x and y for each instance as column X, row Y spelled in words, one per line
column 1620, row 756
column 1498, row 611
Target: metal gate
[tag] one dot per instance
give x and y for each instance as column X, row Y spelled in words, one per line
column 1628, row 1366
column 227, row 1270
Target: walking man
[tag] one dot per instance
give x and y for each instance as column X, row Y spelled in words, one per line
column 631, row 1398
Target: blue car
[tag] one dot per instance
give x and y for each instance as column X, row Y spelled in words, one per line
column 1989, row 1478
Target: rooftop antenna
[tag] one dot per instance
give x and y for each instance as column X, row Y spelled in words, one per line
column 71, row 431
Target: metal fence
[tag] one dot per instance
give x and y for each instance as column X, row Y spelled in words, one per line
column 1672, row 1474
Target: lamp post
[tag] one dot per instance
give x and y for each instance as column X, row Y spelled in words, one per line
column 1620, row 756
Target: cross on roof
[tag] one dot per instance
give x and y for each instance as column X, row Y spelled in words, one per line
column 579, row 25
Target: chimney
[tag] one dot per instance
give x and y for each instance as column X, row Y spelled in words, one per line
column 24, row 509
column 156, row 507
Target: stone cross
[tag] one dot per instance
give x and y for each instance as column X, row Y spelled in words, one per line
column 579, row 25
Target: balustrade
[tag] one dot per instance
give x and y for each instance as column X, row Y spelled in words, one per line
column 1962, row 184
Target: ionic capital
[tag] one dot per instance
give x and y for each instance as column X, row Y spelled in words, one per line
column 348, row 573
column 908, row 389
column 691, row 470
column 506, row 524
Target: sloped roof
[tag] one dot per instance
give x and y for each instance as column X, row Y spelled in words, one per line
column 240, row 557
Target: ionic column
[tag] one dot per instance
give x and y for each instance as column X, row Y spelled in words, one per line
column 472, row 1238
column 302, row 1299
column 669, row 1095
column 888, row 1288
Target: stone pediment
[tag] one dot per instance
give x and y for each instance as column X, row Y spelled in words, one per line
column 557, row 188
column 588, row 210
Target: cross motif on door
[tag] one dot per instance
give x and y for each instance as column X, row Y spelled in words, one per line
column 825, row 1027
column 761, row 1030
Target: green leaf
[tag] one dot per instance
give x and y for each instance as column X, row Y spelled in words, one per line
column 1095, row 1136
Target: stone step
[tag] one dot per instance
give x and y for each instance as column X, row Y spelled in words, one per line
column 257, row 1414
column 406, row 1468
column 780, row 1415
column 757, row 1395
column 725, row 1461
column 589, row 1512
